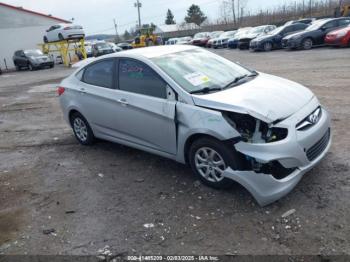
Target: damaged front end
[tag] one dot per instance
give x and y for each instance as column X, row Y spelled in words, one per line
column 276, row 154
column 255, row 131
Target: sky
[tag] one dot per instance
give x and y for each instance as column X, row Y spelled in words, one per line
column 97, row 16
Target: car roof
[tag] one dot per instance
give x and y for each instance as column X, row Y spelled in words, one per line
column 156, row 51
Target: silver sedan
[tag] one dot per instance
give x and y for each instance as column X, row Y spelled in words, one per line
column 229, row 123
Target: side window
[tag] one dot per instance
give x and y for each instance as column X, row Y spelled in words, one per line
column 136, row 77
column 100, row 74
column 330, row 25
column 343, row 22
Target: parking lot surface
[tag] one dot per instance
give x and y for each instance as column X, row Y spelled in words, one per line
column 58, row 197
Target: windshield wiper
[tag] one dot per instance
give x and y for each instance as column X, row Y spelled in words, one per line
column 237, row 79
column 206, row 90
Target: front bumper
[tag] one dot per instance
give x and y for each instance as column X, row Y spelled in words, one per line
column 291, row 43
column 292, row 152
column 255, row 45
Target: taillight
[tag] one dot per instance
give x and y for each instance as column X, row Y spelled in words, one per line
column 60, row 90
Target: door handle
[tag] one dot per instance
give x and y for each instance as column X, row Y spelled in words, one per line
column 123, row 101
column 82, row 90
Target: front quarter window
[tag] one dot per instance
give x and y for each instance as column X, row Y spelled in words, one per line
column 197, row 69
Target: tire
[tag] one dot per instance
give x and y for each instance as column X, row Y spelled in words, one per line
column 31, row 67
column 307, row 44
column 52, row 66
column 60, row 37
column 82, row 130
column 45, row 39
column 18, row 68
column 209, row 171
column 267, row 46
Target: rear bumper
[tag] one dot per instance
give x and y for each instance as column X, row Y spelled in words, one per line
column 301, row 151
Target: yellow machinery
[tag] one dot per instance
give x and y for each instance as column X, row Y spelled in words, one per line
column 345, row 10
column 146, row 38
column 64, row 48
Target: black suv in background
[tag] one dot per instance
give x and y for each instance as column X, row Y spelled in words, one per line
column 273, row 40
column 314, row 35
column 32, row 59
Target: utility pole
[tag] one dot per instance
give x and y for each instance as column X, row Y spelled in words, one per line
column 116, row 30
column 138, row 5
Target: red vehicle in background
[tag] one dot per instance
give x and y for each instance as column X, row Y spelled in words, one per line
column 339, row 37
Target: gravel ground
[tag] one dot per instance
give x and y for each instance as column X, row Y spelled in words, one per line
column 57, row 197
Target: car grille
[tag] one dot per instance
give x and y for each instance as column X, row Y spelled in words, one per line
column 313, row 152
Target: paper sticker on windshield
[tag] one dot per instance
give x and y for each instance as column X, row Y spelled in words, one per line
column 197, row 78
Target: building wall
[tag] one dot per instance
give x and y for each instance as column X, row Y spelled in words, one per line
column 20, row 30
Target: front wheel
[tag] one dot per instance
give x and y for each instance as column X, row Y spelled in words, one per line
column 267, row 46
column 307, row 44
column 60, row 37
column 31, row 67
column 82, row 129
column 209, row 158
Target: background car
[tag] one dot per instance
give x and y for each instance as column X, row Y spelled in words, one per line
column 244, row 40
column 101, row 48
column 32, row 59
column 314, row 34
column 212, row 37
column 222, row 40
column 184, row 40
column 339, row 37
column 172, row 41
column 61, row 32
column 273, row 40
column 88, row 49
column 115, row 47
column 200, row 39
column 125, row 46
column 233, row 42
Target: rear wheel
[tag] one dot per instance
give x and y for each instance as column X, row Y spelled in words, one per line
column 209, row 158
column 267, row 46
column 307, row 44
column 45, row 39
column 82, row 129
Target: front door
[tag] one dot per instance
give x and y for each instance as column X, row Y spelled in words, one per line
column 148, row 115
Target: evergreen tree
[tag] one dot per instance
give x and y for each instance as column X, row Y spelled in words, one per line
column 126, row 35
column 195, row 15
column 169, row 18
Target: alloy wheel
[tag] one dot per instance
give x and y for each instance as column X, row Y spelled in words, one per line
column 210, row 164
column 80, row 129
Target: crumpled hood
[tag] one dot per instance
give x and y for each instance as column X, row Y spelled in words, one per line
column 268, row 98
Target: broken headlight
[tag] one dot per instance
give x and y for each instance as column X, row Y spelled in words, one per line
column 254, row 130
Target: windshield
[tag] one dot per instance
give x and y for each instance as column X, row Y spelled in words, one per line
column 33, row 53
column 228, row 34
column 316, row 25
column 215, row 34
column 277, row 30
column 197, row 69
column 103, row 46
column 257, row 30
column 200, row 35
